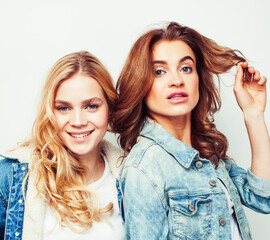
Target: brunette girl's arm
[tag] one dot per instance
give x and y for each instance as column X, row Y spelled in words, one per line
column 251, row 97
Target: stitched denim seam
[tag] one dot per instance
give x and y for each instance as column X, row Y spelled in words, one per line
column 3, row 200
column 155, row 187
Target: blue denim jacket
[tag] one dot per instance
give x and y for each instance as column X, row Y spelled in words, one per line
column 12, row 201
column 169, row 192
column 14, row 223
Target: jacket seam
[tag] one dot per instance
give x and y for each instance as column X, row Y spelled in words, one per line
column 3, row 200
column 153, row 184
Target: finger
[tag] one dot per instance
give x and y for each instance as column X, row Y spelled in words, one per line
column 262, row 81
column 251, row 70
column 239, row 77
column 257, row 76
column 243, row 64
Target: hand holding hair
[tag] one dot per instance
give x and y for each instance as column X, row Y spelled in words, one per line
column 250, row 95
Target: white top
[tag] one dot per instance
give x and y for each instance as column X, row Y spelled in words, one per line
column 234, row 226
column 105, row 189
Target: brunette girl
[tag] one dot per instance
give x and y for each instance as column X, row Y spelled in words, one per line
column 61, row 183
column 177, row 181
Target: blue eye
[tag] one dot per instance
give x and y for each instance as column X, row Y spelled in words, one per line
column 63, row 108
column 159, row 72
column 186, row 69
column 92, row 106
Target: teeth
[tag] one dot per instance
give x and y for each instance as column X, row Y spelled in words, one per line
column 176, row 96
column 80, row 135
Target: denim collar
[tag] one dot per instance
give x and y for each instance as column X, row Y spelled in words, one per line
column 183, row 153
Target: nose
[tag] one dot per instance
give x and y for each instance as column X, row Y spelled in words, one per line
column 176, row 80
column 78, row 118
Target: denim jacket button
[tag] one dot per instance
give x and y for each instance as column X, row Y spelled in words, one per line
column 212, row 183
column 23, row 168
column 198, row 164
column 191, row 208
column 222, row 221
column 17, row 234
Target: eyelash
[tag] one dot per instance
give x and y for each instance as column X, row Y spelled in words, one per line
column 185, row 69
column 62, row 108
column 92, row 106
column 89, row 107
column 159, row 70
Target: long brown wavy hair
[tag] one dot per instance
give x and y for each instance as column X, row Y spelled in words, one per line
column 61, row 178
column 137, row 77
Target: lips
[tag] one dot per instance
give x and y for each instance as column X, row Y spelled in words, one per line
column 177, row 95
column 80, row 134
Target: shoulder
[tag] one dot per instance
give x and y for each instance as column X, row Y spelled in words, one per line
column 21, row 154
column 147, row 158
column 6, row 164
column 144, row 152
column 227, row 164
column 11, row 162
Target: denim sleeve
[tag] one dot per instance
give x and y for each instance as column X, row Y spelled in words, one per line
column 3, row 207
column 144, row 214
column 5, row 183
column 254, row 191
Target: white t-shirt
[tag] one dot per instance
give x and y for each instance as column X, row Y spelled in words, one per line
column 234, row 226
column 105, row 189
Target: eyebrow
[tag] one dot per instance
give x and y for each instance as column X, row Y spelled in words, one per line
column 61, row 102
column 90, row 100
column 87, row 101
column 180, row 61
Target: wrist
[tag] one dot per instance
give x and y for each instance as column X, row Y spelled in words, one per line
column 251, row 116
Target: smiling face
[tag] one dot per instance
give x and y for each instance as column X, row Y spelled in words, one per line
column 175, row 89
column 81, row 113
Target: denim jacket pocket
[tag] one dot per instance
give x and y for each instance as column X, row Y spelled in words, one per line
column 191, row 216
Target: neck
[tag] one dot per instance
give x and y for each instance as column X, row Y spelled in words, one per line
column 95, row 165
column 179, row 127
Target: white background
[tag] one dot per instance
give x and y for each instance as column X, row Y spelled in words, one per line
column 34, row 34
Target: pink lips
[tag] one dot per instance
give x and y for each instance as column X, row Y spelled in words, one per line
column 178, row 97
column 80, row 136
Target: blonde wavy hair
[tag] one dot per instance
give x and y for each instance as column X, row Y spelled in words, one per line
column 61, row 178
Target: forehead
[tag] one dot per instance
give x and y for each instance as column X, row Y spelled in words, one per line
column 176, row 49
column 79, row 86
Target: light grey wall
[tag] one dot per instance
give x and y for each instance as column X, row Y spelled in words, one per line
column 35, row 33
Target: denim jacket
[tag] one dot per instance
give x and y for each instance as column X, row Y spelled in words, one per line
column 23, row 220
column 169, row 192
column 12, row 201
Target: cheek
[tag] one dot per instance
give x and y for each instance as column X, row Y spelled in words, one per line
column 100, row 119
column 153, row 95
column 60, row 121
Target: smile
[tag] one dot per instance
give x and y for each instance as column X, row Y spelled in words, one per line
column 80, row 135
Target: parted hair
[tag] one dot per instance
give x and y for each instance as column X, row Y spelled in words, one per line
column 61, row 178
column 137, row 77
